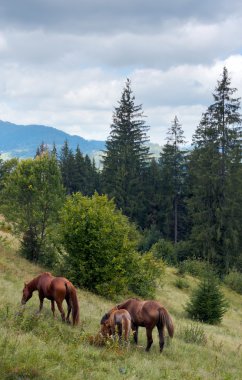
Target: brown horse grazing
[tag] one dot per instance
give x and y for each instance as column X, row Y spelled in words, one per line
column 116, row 317
column 148, row 314
column 55, row 289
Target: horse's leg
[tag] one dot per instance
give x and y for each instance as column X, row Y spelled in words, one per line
column 161, row 337
column 113, row 331
column 149, row 338
column 126, row 331
column 135, row 333
column 119, row 332
column 41, row 301
column 61, row 310
column 68, row 301
column 53, row 307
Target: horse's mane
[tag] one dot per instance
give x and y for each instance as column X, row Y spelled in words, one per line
column 46, row 274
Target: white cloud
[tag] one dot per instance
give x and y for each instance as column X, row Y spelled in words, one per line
column 65, row 63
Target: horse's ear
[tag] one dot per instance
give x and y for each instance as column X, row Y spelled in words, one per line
column 25, row 284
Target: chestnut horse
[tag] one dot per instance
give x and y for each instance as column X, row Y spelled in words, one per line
column 116, row 317
column 55, row 289
column 148, row 314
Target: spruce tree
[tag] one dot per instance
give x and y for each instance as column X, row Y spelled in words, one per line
column 126, row 156
column 173, row 183
column 207, row 303
column 79, row 180
column 216, row 179
column 67, row 166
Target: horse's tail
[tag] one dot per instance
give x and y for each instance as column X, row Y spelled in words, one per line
column 74, row 303
column 165, row 320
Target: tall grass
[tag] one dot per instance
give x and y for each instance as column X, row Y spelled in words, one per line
column 35, row 346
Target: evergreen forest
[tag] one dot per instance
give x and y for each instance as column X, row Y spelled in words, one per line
column 184, row 206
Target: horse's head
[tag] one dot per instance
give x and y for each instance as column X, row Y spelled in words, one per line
column 27, row 294
column 104, row 318
column 105, row 329
column 106, row 326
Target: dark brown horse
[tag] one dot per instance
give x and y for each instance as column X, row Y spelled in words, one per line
column 55, row 289
column 119, row 318
column 148, row 314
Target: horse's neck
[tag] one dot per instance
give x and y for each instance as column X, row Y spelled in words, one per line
column 32, row 285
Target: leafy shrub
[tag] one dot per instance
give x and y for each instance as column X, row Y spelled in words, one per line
column 145, row 274
column 197, row 268
column 234, row 281
column 193, row 333
column 207, row 303
column 163, row 249
column 181, row 283
column 100, row 245
column 148, row 238
column 183, row 250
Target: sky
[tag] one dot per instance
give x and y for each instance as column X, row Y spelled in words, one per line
column 64, row 63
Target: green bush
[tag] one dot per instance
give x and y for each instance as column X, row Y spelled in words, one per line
column 148, row 238
column 163, row 249
column 207, row 303
column 197, row 268
column 145, row 275
column 183, row 250
column 234, row 281
column 100, row 245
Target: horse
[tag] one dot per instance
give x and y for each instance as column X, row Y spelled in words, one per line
column 116, row 317
column 55, row 289
column 148, row 314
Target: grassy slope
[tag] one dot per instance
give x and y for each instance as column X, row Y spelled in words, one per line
column 37, row 347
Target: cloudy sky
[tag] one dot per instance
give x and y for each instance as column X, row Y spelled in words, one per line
column 64, row 63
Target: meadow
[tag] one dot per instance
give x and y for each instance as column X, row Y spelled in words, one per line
column 35, row 346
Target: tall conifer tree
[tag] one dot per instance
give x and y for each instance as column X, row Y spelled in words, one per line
column 126, row 157
column 173, row 173
column 216, row 179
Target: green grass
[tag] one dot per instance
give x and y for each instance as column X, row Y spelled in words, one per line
column 37, row 347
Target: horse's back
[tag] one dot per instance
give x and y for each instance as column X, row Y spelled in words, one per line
column 142, row 312
column 59, row 284
column 52, row 287
column 44, row 282
column 120, row 315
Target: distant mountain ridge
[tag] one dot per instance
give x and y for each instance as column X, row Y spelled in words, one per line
column 22, row 141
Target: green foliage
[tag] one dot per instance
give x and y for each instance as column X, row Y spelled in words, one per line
column 193, row 333
column 145, row 275
column 183, row 250
column 207, row 303
column 32, row 196
column 163, row 249
column 216, row 181
column 173, row 169
column 148, row 238
column 100, row 244
column 234, row 281
column 6, row 168
column 197, row 268
column 126, row 156
column 181, row 283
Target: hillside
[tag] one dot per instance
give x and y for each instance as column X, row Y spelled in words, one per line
column 37, row 347
column 22, row 141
